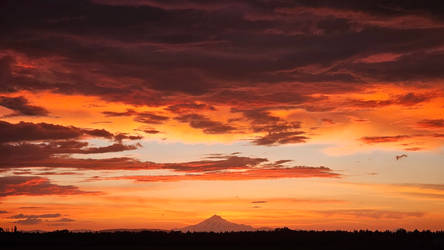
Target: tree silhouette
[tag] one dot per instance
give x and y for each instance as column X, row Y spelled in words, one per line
column 281, row 238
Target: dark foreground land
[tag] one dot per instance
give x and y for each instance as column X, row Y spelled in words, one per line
column 278, row 239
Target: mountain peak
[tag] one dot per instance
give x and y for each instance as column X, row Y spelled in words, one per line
column 215, row 217
column 217, row 224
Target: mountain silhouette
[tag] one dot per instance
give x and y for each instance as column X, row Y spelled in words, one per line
column 217, row 224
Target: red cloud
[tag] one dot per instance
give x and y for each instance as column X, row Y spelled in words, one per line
column 249, row 174
column 27, row 143
column 280, row 138
column 186, row 107
column 30, row 185
column 384, row 139
column 432, row 123
column 216, row 167
column 27, row 131
column 21, row 107
column 208, row 126
column 143, row 117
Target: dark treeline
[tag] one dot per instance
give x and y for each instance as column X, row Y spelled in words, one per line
column 278, row 239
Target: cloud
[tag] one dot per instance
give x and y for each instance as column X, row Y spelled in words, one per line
column 248, row 174
column 24, row 143
column 258, row 202
column 23, row 216
column 128, row 112
column 3, row 212
column 120, row 137
column 189, row 107
column 281, row 138
column 150, row 131
column 328, row 121
column 27, row 131
column 214, row 167
column 371, row 213
column 208, row 126
column 288, row 37
column 425, row 195
column 271, row 56
column 21, row 107
column 28, row 221
column 431, row 123
column 63, row 220
column 409, row 99
column 277, row 131
column 143, row 117
column 174, row 5
column 35, row 186
column 149, row 118
column 217, row 163
column 33, row 154
column 383, row 139
column 33, row 219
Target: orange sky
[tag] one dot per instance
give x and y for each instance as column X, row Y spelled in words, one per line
column 310, row 117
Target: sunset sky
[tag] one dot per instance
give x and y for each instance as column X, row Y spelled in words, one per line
column 160, row 113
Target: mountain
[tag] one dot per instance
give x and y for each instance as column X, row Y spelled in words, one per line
column 136, row 230
column 217, row 224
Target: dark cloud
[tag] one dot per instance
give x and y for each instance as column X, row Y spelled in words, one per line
column 214, row 167
column 34, row 186
column 278, row 131
column 185, row 54
column 249, row 174
column 128, row 112
column 120, row 137
column 258, row 202
column 150, row 131
column 190, row 56
column 24, row 216
column 413, row 99
column 27, row 153
column 216, row 163
column 29, row 221
column 27, row 131
column 408, row 99
column 25, row 142
column 414, row 67
column 259, row 118
column 149, row 118
column 143, row 117
column 384, row 139
column 21, row 107
column 63, row 220
column 187, row 107
column 328, row 121
column 224, row 167
column 275, row 138
column 32, row 219
column 432, row 123
column 208, row 126
column 57, row 173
